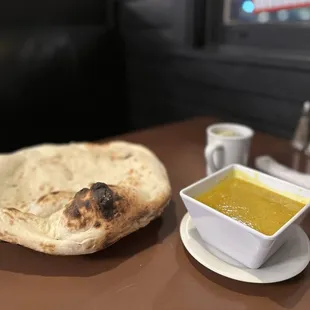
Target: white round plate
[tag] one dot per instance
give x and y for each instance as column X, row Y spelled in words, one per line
column 290, row 260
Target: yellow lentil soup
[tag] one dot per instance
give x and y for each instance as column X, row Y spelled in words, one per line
column 253, row 205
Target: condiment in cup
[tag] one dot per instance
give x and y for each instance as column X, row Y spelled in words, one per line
column 227, row 144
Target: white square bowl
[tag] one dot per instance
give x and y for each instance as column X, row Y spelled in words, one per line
column 237, row 240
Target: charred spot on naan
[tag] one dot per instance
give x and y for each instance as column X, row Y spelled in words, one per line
column 48, row 248
column 89, row 206
column 120, row 155
column 108, row 242
column 97, row 224
column 104, row 197
column 142, row 215
column 13, row 214
column 9, row 212
column 54, row 197
column 7, row 237
column 46, row 197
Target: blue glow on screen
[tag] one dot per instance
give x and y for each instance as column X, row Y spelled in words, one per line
column 248, row 6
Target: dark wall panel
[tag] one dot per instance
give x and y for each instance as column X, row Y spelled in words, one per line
column 52, row 12
column 167, row 74
column 62, row 72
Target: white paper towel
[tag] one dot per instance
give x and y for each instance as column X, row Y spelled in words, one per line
column 272, row 167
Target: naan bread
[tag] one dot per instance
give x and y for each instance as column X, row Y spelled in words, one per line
column 79, row 198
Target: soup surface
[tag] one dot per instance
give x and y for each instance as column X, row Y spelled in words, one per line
column 226, row 132
column 255, row 206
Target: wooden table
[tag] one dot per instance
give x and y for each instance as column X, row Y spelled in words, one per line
column 149, row 269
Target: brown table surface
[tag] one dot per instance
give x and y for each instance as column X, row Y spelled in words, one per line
column 149, row 269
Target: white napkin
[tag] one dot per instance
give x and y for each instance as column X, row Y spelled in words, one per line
column 271, row 166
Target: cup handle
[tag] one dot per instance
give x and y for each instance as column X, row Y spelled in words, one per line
column 209, row 152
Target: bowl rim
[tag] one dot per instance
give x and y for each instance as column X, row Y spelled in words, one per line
column 249, row 229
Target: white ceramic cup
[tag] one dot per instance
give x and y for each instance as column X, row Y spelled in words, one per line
column 223, row 150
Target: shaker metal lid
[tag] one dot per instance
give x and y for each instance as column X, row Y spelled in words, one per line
column 301, row 136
